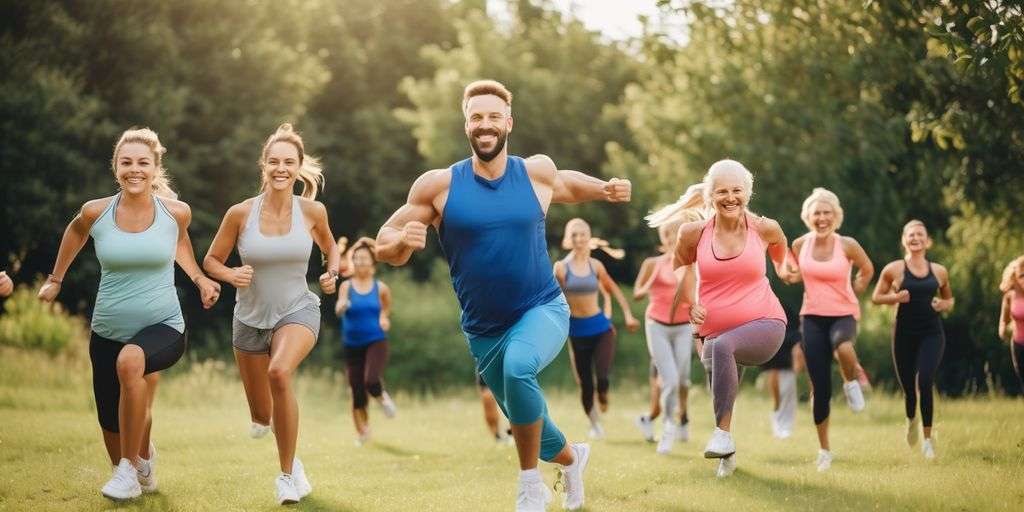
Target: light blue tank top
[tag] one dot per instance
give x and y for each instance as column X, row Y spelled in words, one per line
column 579, row 285
column 137, row 275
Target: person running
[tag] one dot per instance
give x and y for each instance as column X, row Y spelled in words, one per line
column 824, row 260
column 364, row 304
column 912, row 283
column 492, row 416
column 489, row 212
column 668, row 330
column 277, row 318
column 738, row 315
column 591, row 334
column 780, row 376
column 137, row 326
column 1011, row 315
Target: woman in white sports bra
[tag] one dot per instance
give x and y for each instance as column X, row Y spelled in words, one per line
column 277, row 318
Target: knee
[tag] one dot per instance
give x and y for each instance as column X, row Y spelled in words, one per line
column 603, row 385
column 279, row 377
column 720, row 351
column 131, row 362
column 359, row 400
column 374, row 388
column 520, row 370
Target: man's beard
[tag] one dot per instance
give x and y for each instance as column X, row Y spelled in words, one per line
column 499, row 144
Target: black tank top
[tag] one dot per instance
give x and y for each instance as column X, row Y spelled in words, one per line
column 918, row 314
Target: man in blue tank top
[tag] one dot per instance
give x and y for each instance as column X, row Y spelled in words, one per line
column 489, row 213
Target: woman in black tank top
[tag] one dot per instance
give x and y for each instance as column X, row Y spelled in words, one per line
column 921, row 291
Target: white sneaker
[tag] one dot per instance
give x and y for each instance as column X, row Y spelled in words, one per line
column 683, row 433
column 571, row 477
column 773, row 417
column 388, row 405
column 726, row 466
column 257, row 430
column 363, row 438
column 596, row 431
column 854, row 396
column 912, row 429
column 928, row 449
column 668, row 438
column 720, row 445
column 124, row 484
column 286, row 491
column 824, row 460
column 147, row 475
column 646, row 427
column 532, row 497
column 302, row 484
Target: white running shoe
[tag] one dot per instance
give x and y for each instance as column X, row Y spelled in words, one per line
column 532, row 496
column 646, row 426
column 147, row 475
column 596, row 431
column 720, row 445
column 257, row 430
column 388, row 405
column 302, row 484
column 668, row 438
column 912, row 429
column 124, row 484
column 571, row 477
column 854, row 396
column 774, row 418
column 726, row 466
column 286, row 491
column 824, row 460
column 928, row 449
column 363, row 438
column 683, row 433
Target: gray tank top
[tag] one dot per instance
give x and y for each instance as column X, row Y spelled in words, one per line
column 279, row 265
column 579, row 285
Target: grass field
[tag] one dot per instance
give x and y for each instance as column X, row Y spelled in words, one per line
column 437, row 456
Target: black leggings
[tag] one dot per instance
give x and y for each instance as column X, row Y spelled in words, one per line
column 161, row 345
column 821, row 336
column 587, row 353
column 917, row 356
column 364, row 367
column 1017, row 356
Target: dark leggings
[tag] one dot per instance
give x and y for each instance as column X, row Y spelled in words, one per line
column 822, row 335
column 917, row 356
column 1017, row 356
column 590, row 353
column 365, row 366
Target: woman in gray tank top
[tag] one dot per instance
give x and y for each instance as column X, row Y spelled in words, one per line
column 137, row 326
column 277, row 318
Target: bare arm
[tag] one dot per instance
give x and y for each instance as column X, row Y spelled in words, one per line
column 568, row 187
column 606, row 297
column 686, row 246
column 793, row 275
column 1004, row 318
column 611, row 285
column 644, row 279
column 944, row 302
column 324, row 239
column 342, row 304
column 75, row 236
column 772, row 234
column 209, row 290
column 385, row 307
column 406, row 230
column 860, row 259
column 686, row 289
column 223, row 243
column 885, row 289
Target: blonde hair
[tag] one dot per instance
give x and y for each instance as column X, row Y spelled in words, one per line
column 310, row 171
column 483, row 88
column 697, row 198
column 161, row 183
column 595, row 243
column 915, row 222
column 821, row 195
column 1010, row 274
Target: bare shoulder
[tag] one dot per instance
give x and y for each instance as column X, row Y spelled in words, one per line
column 239, row 211
column 799, row 241
column 893, row 268
column 767, row 226
column 648, row 261
column 939, row 270
column 383, row 287
column 91, row 210
column 597, row 264
column 850, row 243
column 690, row 232
column 312, row 208
column 180, row 209
column 541, row 167
column 429, row 185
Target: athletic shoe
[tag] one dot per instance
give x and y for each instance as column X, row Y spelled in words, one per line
column 928, row 449
column 863, row 379
column 596, row 431
column 683, row 432
column 854, row 396
column 571, row 477
column 720, row 445
column 646, row 426
column 532, row 496
column 388, row 405
column 668, row 438
column 824, row 460
column 286, row 491
column 774, row 418
column 147, row 475
column 124, row 485
column 726, row 466
column 363, row 438
column 257, row 430
column 302, row 484
column 912, row 429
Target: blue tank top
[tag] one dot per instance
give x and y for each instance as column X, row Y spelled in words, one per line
column 360, row 325
column 492, row 233
column 579, row 285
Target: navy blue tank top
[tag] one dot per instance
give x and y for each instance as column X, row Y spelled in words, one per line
column 492, row 233
column 918, row 315
column 360, row 325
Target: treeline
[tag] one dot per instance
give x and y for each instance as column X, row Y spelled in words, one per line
column 905, row 109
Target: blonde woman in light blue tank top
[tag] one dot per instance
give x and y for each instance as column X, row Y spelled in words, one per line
column 138, row 329
column 277, row 318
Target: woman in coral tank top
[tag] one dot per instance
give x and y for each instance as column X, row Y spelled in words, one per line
column 1011, row 317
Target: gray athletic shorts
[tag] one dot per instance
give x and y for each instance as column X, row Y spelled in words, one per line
column 257, row 341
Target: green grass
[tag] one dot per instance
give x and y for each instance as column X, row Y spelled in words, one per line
column 437, row 456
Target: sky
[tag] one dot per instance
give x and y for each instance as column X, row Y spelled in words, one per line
column 615, row 19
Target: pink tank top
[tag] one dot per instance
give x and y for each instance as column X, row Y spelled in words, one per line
column 1017, row 314
column 735, row 290
column 827, row 288
column 662, row 291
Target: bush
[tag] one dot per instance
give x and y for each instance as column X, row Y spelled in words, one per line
column 29, row 323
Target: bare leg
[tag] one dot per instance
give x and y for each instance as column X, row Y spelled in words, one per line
column 112, row 441
column 847, row 358
column 491, row 414
column 151, row 383
column 773, row 388
column 131, row 363
column 655, row 399
column 289, row 346
column 252, row 368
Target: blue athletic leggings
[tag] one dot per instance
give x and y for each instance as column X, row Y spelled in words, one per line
column 511, row 361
